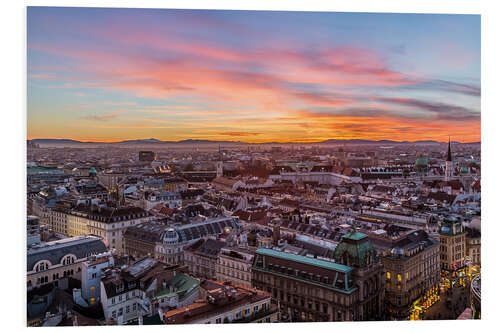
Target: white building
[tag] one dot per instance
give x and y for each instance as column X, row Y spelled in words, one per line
column 127, row 292
column 92, row 271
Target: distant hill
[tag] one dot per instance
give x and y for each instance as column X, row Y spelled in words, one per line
column 58, row 141
column 201, row 142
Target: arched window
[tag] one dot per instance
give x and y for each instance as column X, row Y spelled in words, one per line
column 42, row 266
column 68, row 259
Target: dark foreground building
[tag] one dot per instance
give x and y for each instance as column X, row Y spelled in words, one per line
column 310, row 289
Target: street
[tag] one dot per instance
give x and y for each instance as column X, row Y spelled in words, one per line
column 452, row 303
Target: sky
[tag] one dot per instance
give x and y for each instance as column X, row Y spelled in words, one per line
column 112, row 74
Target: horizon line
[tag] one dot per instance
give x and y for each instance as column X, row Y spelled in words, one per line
column 235, row 140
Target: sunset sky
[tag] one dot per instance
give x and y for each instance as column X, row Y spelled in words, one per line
column 116, row 74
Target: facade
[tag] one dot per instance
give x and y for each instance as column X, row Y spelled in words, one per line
column 224, row 303
column 356, row 250
column 77, row 224
column 140, row 240
column 235, row 265
column 49, row 262
column 452, row 239
column 58, row 221
column 92, row 271
column 32, row 230
column 107, row 222
column 473, row 246
column 202, row 257
column 412, row 273
column 310, row 289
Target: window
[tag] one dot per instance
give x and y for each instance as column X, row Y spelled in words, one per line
column 127, row 309
column 399, row 277
column 92, row 301
column 92, row 289
column 218, row 320
column 388, row 274
column 113, row 314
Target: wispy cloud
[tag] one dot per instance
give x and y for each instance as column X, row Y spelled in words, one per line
column 239, row 133
column 103, row 118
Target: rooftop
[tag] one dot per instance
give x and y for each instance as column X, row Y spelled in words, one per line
column 305, row 260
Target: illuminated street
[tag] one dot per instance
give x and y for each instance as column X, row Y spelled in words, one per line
column 452, row 303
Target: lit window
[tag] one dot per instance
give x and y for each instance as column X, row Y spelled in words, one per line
column 92, row 301
column 388, row 275
column 399, row 277
column 92, row 289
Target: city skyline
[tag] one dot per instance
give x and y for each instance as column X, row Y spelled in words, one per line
column 116, row 74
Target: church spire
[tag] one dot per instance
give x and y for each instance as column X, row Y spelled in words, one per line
column 448, row 158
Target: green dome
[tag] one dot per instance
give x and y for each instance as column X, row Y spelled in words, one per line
column 355, row 249
column 421, row 161
column 92, row 172
column 464, row 170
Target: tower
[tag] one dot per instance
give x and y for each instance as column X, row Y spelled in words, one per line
column 448, row 173
column 219, row 165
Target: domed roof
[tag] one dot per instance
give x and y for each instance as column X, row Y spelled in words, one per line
column 357, row 247
column 92, row 170
column 464, row 170
column 170, row 236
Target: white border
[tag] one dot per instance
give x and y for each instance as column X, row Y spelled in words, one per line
column 13, row 82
